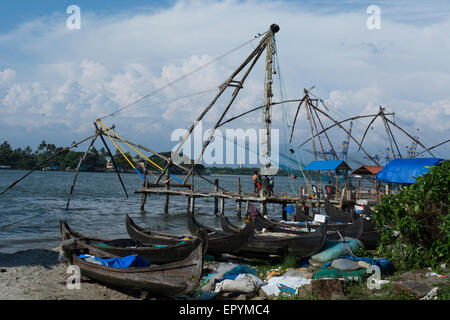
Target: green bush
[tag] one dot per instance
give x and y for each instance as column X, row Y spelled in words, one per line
column 414, row 224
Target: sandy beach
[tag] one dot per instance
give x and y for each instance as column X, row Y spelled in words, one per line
column 36, row 274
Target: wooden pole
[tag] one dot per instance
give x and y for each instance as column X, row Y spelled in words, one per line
column 189, row 205
column 239, row 198
column 78, row 169
column 222, row 206
column 167, row 159
column 233, row 97
column 360, row 190
column 255, row 52
column 112, row 160
column 348, row 133
column 216, row 200
column 144, row 194
column 192, row 190
column 336, row 196
column 246, row 208
column 166, row 201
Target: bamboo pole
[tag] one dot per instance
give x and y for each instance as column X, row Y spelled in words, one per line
column 340, row 122
column 166, row 159
column 222, row 206
column 367, row 129
column 295, row 118
column 166, row 200
column 216, row 200
column 78, row 169
column 311, row 126
column 261, row 44
column 417, row 141
column 144, row 195
column 112, row 159
column 233, row 97
column 239, row 197
column 348, row 133
column 437, row 145
column 246, row 208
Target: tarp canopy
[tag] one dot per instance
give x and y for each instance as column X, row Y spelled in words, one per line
column 405, row 170
column 327, row 165
column 369, row 170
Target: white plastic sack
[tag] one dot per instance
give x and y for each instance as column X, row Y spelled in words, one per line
column 244, row 282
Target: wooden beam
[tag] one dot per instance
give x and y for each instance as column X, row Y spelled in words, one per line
column 78, row 169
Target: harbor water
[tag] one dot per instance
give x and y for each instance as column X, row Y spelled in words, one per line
column 30, row 212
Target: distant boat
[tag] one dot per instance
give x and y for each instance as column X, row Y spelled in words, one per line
column 5, row 167
column 293, row 176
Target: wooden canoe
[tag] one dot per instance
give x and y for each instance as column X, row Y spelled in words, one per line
column 145, row 235
column 125, row 247
column 164, row 280
column 336, row 215
column 353, row 229
column 220, row 242
column 369, row 236
column 300, row 244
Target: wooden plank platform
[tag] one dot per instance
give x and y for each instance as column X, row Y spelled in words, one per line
column 243, row 197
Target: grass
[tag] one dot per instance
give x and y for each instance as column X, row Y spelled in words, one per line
column 359, row 291
column 444, row 292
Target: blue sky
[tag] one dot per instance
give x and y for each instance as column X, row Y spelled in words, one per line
column 15, row 13
column 54, row 82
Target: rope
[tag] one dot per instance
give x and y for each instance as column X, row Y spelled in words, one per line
column 285, row 121
column 141, row 154
column 126, row 158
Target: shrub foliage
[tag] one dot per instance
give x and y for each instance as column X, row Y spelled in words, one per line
column 414, row 224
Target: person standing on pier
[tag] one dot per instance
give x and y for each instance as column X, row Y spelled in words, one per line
column 255, row 182
column 270, row 186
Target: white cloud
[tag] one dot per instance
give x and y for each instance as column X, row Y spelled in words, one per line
column 7, row 76
column 114, row 60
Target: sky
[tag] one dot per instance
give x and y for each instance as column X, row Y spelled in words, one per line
column 55, row 81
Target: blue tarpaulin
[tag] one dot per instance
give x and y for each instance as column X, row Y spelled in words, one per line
column 327, row 165
column 385, row 266
column 404, row 170
column 120, row 263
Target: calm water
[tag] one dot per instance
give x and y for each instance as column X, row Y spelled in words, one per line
column 98, row 206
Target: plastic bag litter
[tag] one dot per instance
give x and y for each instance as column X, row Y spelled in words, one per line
column 273, row 288
column 432, row 294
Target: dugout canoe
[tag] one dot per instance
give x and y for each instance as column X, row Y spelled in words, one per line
column 146, row 235
column 300, row 243
column 220, row 242
column 154, row 253
column 162, row 280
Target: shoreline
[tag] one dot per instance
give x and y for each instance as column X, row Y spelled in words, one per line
column 36, row 274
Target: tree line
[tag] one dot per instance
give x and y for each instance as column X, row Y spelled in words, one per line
column 95, row 160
